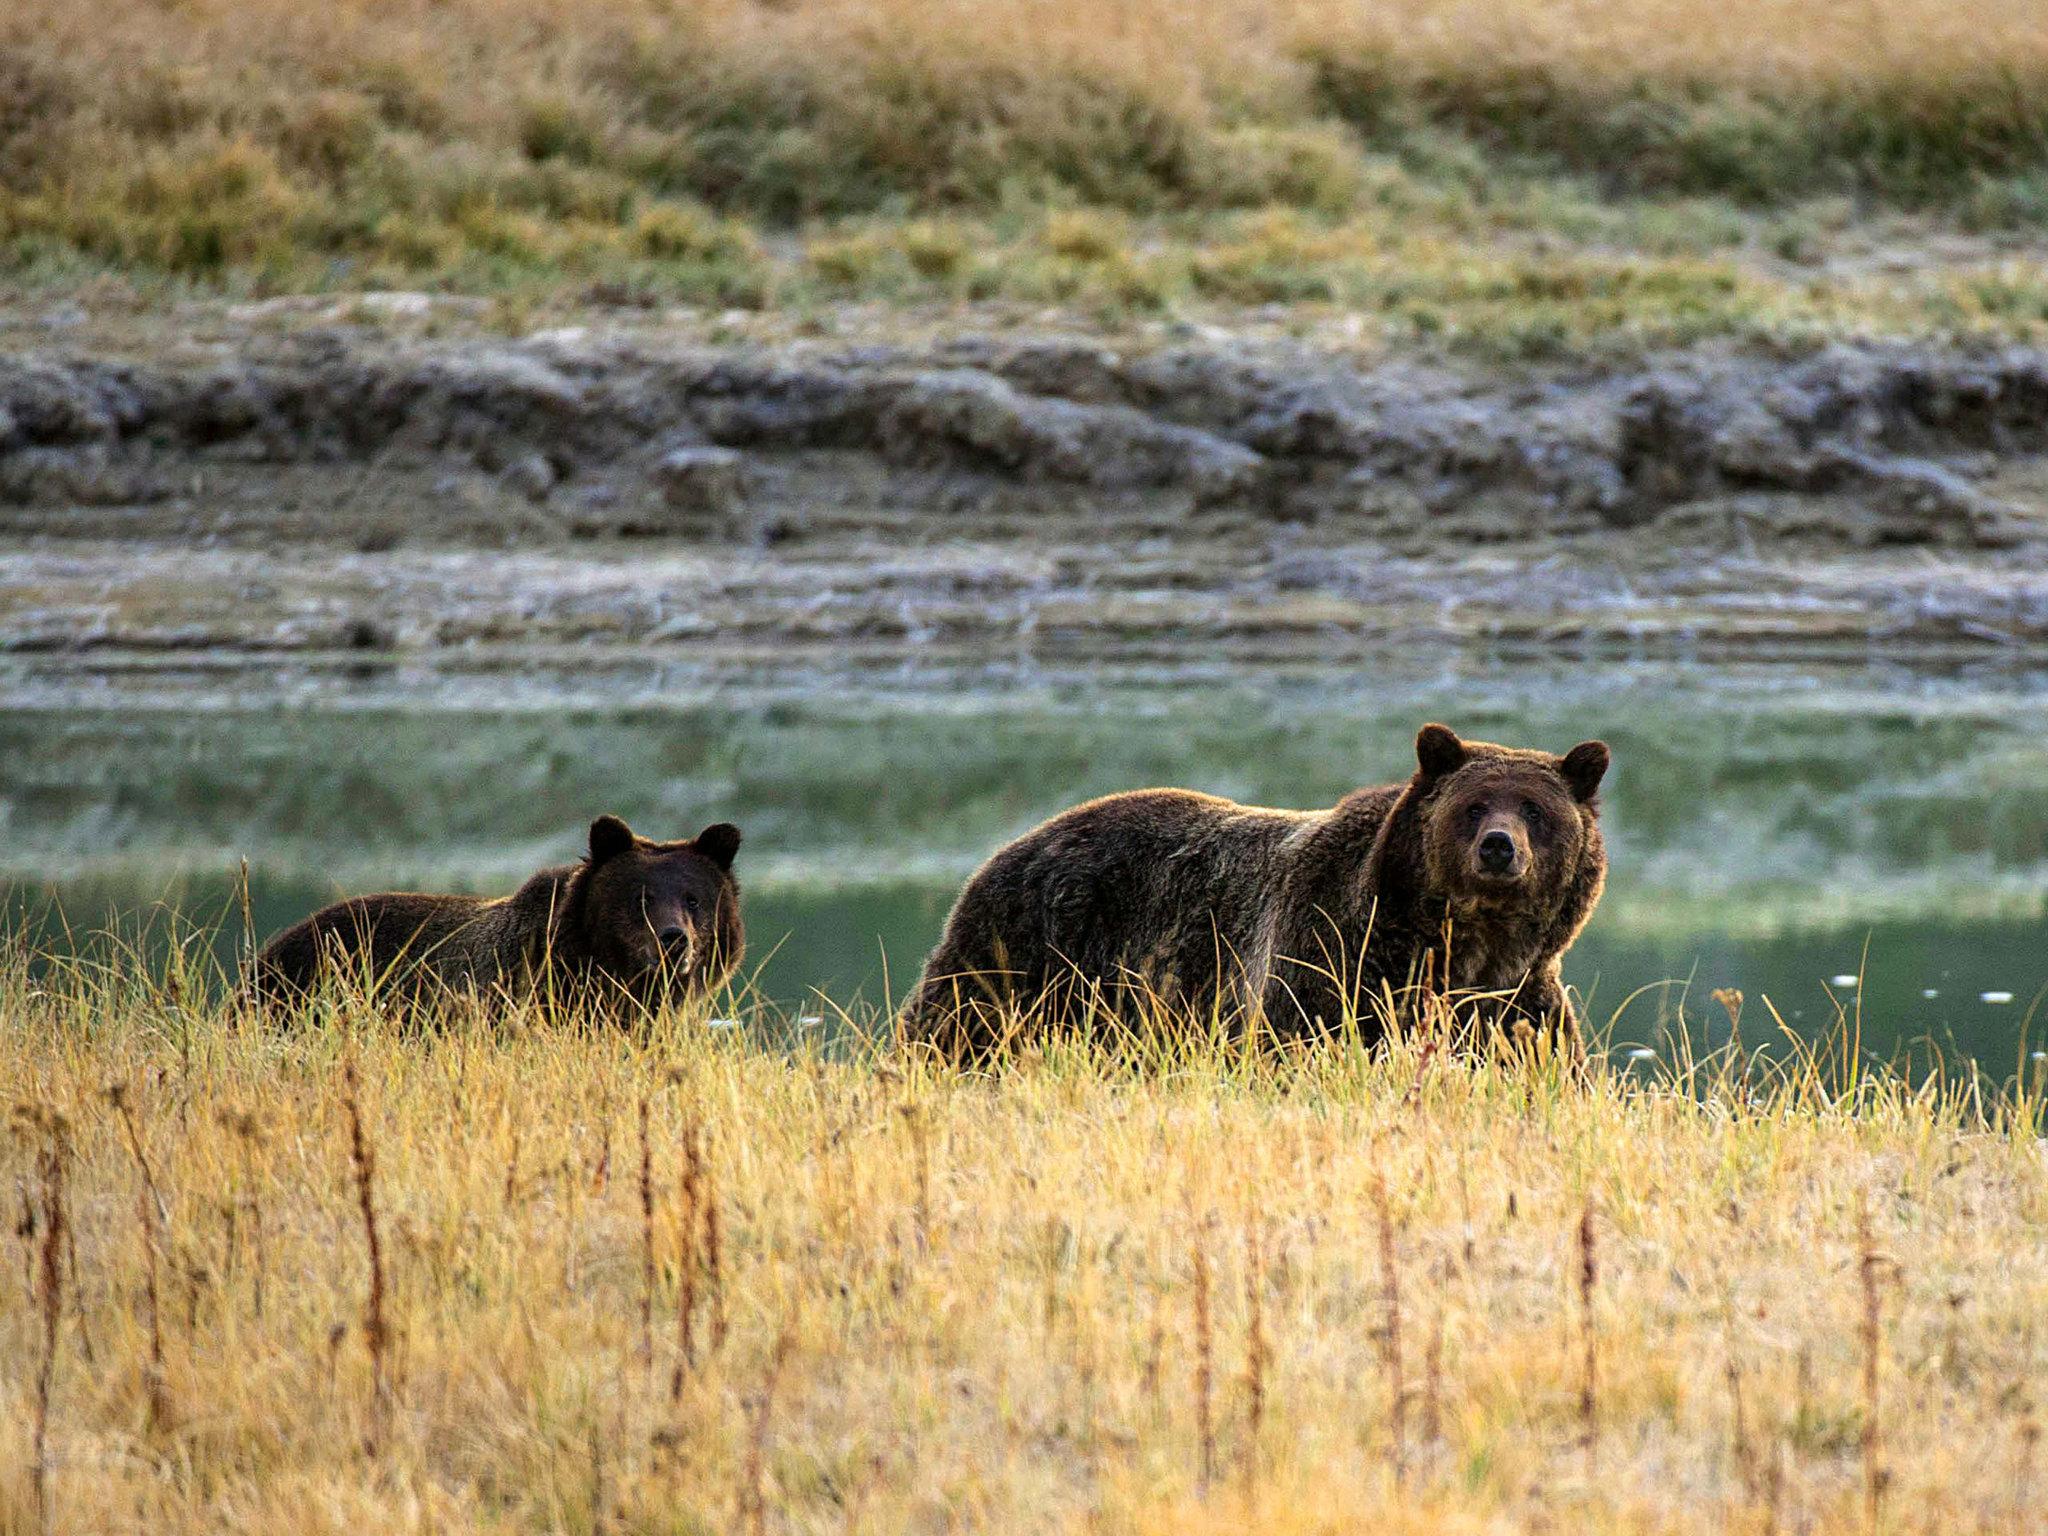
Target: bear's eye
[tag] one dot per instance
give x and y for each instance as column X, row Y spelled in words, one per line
column 1532, row 813
column 690, row 902
column 1475, row 814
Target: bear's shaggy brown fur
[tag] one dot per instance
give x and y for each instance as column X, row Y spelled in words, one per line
column 1473, row 876
column 633, row 923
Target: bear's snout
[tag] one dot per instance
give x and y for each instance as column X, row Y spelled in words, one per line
column 1498, row 854
column 678, row 946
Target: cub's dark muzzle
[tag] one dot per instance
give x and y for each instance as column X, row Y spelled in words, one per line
column 678, row 950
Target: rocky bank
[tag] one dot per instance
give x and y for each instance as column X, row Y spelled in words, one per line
column 336, row 487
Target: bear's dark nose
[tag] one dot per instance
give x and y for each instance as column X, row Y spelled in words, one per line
column 1496, row 852
column 672, row 935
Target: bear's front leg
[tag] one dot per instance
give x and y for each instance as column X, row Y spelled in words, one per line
column 1542, row 1005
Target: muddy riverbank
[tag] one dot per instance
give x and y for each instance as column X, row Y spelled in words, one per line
column 341, row 487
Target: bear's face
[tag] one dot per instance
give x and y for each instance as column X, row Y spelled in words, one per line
column 662, row 917
column 1502, row 826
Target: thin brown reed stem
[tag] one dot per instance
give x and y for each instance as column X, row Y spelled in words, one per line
column 50, row 1171
column 2023, row 1505
column 1802, row 1378
column 25, row 1229
column 714, row 1251
column 1739, row 1446
column 1205, row 1355
column 1390, row 1337
column 512, row 1164
column 646, row 1240
column 916, row 1121
column 1433, row 1382
column 1151, row 1378
column 245, row 901
column 689, row 1260
column 1870, row 1270
column 600, row 1499
column 1257, row 1353
column 601, row 1178
column 754, row 1483
column 376, row 1332
column 1589, row 1375
column 149, row 1208
column 85, row 1346
column 249, row 1134
column 1774, row 1489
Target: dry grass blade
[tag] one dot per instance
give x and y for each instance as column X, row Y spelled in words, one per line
column 149, row 1214
column 1433, row 1383
column 754, row 1484
column 1871, row 1270
column 1205, row 1350
column 646, row 1240
column 50, row 1170
column 714, row 1254
column 1390, row 1300
column 1589, row 1377
column 689, row 1260
column 376, row 1324
column 1257, row 1353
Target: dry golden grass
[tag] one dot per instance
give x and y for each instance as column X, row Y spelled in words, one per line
column 864, row 1294
column 1763, row 43
column 1194, row 49
column 365, row 141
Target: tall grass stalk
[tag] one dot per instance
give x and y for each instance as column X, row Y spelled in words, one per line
column 1870, row 1272
column 689, row 1259
column 1589, row 1365
column 1390, row 1324
column 1205, row 1350
column 1257, row 1354
column 754, row 1487
column 49, row 1298
column 376, row 1323
column 149, row 1208
column 646, row 1240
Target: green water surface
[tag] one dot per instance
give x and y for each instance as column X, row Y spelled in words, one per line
column 1770, row 828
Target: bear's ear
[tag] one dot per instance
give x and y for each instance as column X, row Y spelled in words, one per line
column 1584, row 767
column 718, row 843
column 1438, row 750
column 609, row 837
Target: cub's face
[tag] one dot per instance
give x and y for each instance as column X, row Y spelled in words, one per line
column 1505, row 827
column 662, row 917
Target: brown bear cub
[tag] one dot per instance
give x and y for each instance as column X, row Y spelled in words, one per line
column 1473, row 876
column 635, row 923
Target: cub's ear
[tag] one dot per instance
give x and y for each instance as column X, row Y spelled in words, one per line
column 1438, row 750
column 1584, row 767
column 609, row 837
column 719, row 842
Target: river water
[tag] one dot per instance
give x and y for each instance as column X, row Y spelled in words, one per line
column 1826, row 838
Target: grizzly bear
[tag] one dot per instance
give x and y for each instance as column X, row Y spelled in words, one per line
column 633, row 924
column 1472, row 877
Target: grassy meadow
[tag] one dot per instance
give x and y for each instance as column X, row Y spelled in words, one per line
column 535, row 1277
column 767, row 1274
column 1520, row 176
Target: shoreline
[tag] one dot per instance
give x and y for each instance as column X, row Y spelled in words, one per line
column 342, row 490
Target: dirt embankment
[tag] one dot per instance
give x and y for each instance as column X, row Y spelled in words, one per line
column 338, row 488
